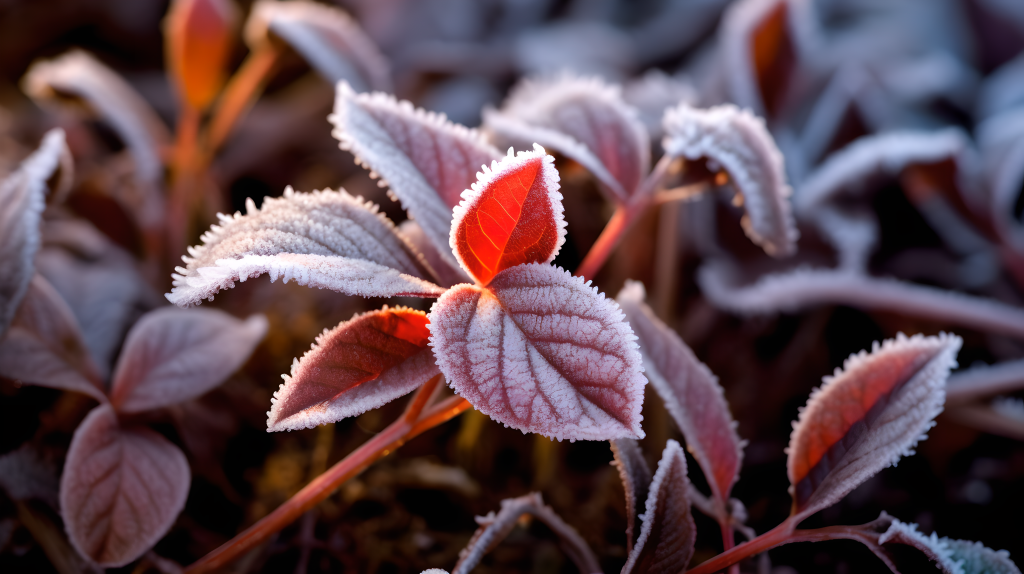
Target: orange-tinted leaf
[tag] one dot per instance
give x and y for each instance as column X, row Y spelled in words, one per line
column 867, row 416
column 359, row 365
column 513, row 215
column 198, row 37
column 759, row 53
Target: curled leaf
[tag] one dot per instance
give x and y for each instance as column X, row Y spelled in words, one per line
column 359, row 365
column 866, row 417
column 668, row 533
column 541, row 351
column 121, row 490
column 327, row 37
column 933, row 547
column 738, row 141
column 512, row 215
column 584, row 119
column 636, row 480
column 172, row 355
column 321, row 239
column 691, row 393
column 198, row 37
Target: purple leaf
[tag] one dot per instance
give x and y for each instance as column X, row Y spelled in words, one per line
column 738, row 141
column 636, row 479
column 172, row 355
column 121, row 490
column 23, row 198
column 321, row 239
column 360, row 365
column 583, row 119
column 668, row 534
column 44, row 346
column 691, row 393
column 541, row 351
column 866, row 417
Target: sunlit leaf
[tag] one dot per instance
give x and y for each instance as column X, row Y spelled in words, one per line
column 691, row 393
column 198, row 37
column 636, row 480
column 512, row 215
column 867, row 416
column 668, row 532
column 121, row 490
column 327, row 37
column 321, row 239
column 172, row 355
column 738, row 141
column 541, row 351
column 359, row 365
column 584, row 119
column 425, row 160
column 758, row 53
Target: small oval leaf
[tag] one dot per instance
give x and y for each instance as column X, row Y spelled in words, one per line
column 198, row 38
column 541, row 351
column 866, row 417
column 359, row 365
column 121, row 490
column 512, row 215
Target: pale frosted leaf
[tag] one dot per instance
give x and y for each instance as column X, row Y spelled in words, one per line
column 655, row 92
column 867, row 416
column 44, row 345
column 541, row 351
column 327, row 37
column 447, row 273
column 22, row 200
column 361, row 364
column 691, row 393
column 512, row 215
column 756, row 46
column 583, row 119
column 931, row 546
column 975, row 558
column 986, row 380
column 738, row 141
column 121, row 490
column 496, row 526
column 668, row 534
column 172, row 355
column 320, row 239
column 636, row 480
column 425, row 160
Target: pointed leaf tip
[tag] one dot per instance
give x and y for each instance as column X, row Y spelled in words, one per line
column 512, row 215
column 867, row 417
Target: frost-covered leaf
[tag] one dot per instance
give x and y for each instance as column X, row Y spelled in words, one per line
column 636, row 480
column 22, row 200
column 866, row 417
column 447, row 273
column 512, row 215
column 121, row 490
column 541, row 351
column 425, row 160
column 359, row 365
column 668, row 534
column 691, row 393
column 198, row 38
column 583, row 119
column 327, row 37
column 933, row 547
column 976, row 558
column 321, row 239
column 44, row 345
column 757, row 52
column 738, row 141
column 655, row 92
column 172, row 355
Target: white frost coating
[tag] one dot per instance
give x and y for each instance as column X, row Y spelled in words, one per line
column 636, row 480
column 584, row 119
column 852, row 233
column 739, row 141
column 499, row 170
column 393, row 383
column 22, row 200
column 541, row 351
column 976, row 558
column 803, row 288
column 667, row 504
column 932, row 546
column 905, row 418
column 691, row 393
column 425, row 160
column 314, row 238
column 327, row 37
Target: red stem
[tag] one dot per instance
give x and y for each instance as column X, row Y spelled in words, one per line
column 775, row 537
column 240, row 94
column 602, row 248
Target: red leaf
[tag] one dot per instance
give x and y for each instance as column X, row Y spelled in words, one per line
column 121, row 490
column 541, row 351
column 198, row 38
column 359, row 365
column 513, row 215
column 867, row 416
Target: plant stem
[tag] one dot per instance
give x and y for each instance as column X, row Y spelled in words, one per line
column 407, row 426
column 775, row 537
column 241, row 91
column 609, row 237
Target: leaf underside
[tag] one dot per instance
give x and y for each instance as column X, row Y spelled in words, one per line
column 636, row 479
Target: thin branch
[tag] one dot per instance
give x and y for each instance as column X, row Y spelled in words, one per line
column 682, row 193
column 775, row 537
column 976, row 382
column 240, row 93
column 988, row 419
